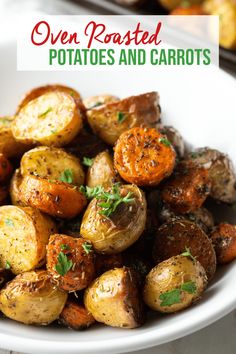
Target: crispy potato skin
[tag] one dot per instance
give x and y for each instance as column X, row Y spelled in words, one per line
column 123, row 227
column 141, row 158
column 53, row 198
column 8, row 144
column 113, row 299
column 5, row 169
column 221, row 173
column 24, row 234
column 15, row 188
column 3, row 194
column 102, row 172
column 224, row 241
column 175, row 236
column 82, row 272
column 52, row 119
column 43, row 299
column 50, row 163
column 76, row 316
column 138, row 110
column 175, row 138
column 96, row 101
column 169, row 275
column 187, row 189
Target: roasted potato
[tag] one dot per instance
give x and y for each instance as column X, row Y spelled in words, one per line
column 174, row 137
column 121, row 229
column 221, row 173
column 224, row 240
column 24, row 234
column 51, row 197
column 3, row 194
column 113, row 299
column 52, row 119
column 5, row 169
column 15, row 188
column 32, row 298
column 102, row 172
column 144, row 156
column 53, row 164
column 174, row 284
column 70, row 261
column 8, row 144
column 96, row 101
column 111, row 120
column 76, row 316
column 176, row 235
column 187, row 189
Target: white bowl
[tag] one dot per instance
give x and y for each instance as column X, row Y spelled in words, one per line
column 202, row 107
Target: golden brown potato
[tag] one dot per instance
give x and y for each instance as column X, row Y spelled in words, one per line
column 144, row 156
column 54, row 198
column 113, row 299
column 76, row 316
column 96, row 101
column 176, row 235
column 187, row 189
column 174, row 284
column 32, row 298
column 102, row 172
column 52, row 119
column 24, row 234
column 122, row 228
column 221, row 173
column 111, row 120
column 174, row 138
column 8, row 144
column 70, row 261
column 15, row 188
column 53, row 164
column 224, row 241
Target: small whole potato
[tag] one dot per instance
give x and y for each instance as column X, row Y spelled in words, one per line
column 175, row 138
column 32, row 298
column 114, row 299
column 223, row 237
column 121, row 229
column 15, row 188
column 174, row 284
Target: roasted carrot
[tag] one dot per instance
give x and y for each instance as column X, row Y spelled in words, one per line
column 76, row 316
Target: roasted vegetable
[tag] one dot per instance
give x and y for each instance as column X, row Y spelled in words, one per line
column 175, row 236
column 175, row 139
column 114, row 231
column 53, row 164
column 102, row 172
column 144, row 156
column 96, row 101
column 224, row 240
column 114, row 300
column 111, row 120
column 32, row 298
column 24, row 234
column 174, row 284
column 54, row 198
column 51, row 119
column 76, row 316
column 188, row 10
column 15, row 188
column 70, row 261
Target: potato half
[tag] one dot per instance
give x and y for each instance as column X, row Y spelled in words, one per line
column 121, row 229
column 24, row 234
column 51, row 119
column 109, row 121
column 51, row 163
column 174, row 284
column 113, row 299
column 32, row 298
column 15, row 188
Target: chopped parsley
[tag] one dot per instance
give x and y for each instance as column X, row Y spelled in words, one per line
column 8, row 265
column 189, row 287
column 8, row 222
column 64, row 264
column 187, row 253
column 165, row 141
column 121, row 117
column 45, row 112
column 53, row 131
column 87, row 247
column 96, row 104
column 64, row 247
column 67, row 176
column 87, row 161
column 172, row 297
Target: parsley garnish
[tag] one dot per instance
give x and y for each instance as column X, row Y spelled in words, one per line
column 121, row 117
column 187, row 253
column 64, row 247
column 87, row 247
column 9, row 222
column 64, row 264
column 173, row 296
column 8, row 265
column 96, row 104
column 109, row 200
column 87, row 161
column 67, row 176
column 45, row 112
column 165, row 141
